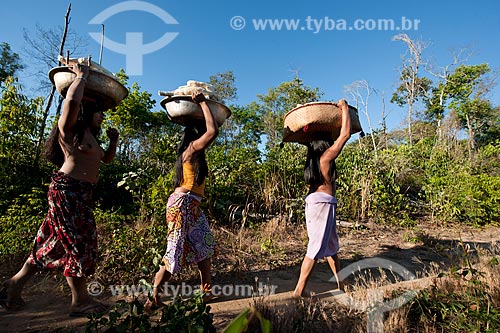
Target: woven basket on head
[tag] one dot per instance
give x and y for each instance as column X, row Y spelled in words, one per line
column 317, row 120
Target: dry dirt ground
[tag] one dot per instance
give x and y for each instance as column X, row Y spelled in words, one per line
column 422, row 251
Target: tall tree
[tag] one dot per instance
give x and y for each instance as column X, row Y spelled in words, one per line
column 489, row 125
column 224, row 87
column 244, row 128
column 466, row 89
column 412, row 86
column 9, row 62
column 436, row 102
column 19, row 122
column 282, row 170
column 134, row 120
column 223, row 84
column 278, row 101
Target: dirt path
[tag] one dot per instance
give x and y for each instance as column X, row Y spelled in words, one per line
column 48, row 302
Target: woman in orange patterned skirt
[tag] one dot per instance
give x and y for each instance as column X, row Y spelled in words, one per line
column 189, row 237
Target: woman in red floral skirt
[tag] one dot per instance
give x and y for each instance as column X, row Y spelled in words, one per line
column 67, row 238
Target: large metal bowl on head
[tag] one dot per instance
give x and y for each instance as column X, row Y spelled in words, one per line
column 183, row 111
column 315, row 121
column 106, row 90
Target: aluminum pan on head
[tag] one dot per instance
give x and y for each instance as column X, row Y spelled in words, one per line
column 182, row 110
column 106, row 90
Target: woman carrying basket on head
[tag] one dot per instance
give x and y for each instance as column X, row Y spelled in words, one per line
column 320, row 174
column 189, row 239
column 67, row 238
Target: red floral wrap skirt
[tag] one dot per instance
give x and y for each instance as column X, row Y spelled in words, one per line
column 67, row 238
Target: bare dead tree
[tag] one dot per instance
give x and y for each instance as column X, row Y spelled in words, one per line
column 487, row 84
column 295, row 71
column 361, row 91
column 443, row 74
column 383, row 122
column 411, row 85
column 67, row 20
column 42, row 47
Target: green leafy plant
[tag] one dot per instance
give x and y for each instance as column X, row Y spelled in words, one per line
column 241, row 322
column 182, row 315
column 19, row 225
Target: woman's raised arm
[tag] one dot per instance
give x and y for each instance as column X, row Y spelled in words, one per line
column 72, row 102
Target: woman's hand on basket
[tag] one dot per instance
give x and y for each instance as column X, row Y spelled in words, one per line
column 198, row 97
column 80, row 70
column 112, row 134
column 342, row 103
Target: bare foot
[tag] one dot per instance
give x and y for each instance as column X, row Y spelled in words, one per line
column 10, row 297
column 303, row 294
column 208, row 297
column 89, row 308
column 152, row 304
column 149, row 304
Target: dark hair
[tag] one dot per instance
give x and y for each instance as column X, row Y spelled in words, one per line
column 191, row 133
column 52, row 148
column 312, row 171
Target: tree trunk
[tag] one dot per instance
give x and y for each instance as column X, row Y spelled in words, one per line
column 371, row 129
column 410, row 111
column 471, row 144
column 411, row 100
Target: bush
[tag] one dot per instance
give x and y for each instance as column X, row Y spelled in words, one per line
column 127, row 247
column 471, row 199
column 20, row 223
column 190, row 315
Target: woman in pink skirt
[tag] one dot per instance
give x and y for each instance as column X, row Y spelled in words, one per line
column 321, row 204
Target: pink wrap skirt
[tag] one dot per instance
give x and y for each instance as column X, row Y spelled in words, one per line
column 321, row 225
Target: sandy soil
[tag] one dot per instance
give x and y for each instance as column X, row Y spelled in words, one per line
column 421, row 251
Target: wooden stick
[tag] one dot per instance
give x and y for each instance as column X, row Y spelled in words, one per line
column 102, row 43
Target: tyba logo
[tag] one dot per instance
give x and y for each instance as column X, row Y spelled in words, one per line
column 134, row 49
column 375, row 302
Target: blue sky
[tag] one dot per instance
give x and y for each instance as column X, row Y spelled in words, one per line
column 326, row 57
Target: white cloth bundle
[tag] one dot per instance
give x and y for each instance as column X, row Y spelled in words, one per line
column 193, row 86
column 84, row 61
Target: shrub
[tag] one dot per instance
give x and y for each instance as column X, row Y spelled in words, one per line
column 20, row 223
column 471, row 199
column 189, row 315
